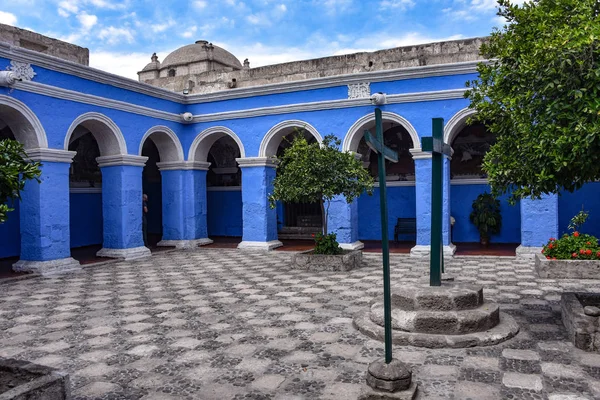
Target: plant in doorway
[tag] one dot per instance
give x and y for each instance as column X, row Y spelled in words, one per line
column 318, row 172
column 486, row 216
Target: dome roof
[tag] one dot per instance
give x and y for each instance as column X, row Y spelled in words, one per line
column 200, row 51
column 154, row 65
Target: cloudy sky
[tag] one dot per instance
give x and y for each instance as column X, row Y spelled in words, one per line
column 122, row 34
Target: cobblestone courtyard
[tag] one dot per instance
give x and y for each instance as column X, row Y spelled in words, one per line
column 224, row 324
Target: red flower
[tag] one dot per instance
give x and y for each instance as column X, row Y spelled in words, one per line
column 554, row 258
column 588, row 252
column 574, row 255
column 598, row 254
column 313, row 235
column 547, row 257
column 576, row 234
column 552, row 239
column 543, row 250
column 588, row 243
column 550, row 246
column 582, row 251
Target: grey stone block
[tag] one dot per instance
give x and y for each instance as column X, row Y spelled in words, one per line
column 449, row 296
column 21, row 380
column 347, row 261
column 583, row 330
column 567, row 269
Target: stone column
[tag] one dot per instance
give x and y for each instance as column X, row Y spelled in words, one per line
column 423, row 206
column 122, row 206
column 184, row 204
column 539, row 222
column 343, row 221
column 260, row 220
column 44, row 216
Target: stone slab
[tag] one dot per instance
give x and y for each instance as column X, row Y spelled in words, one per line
column 367, row 393
column 583, row 330
column 32, row 381
column 567, row 269
column 347, row 261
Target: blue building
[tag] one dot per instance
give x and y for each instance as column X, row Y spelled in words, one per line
column 202, row 150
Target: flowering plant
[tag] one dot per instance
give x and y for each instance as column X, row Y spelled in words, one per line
column 576, row 246
column 326, row 244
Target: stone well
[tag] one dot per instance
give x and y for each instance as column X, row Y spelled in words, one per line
column 450, row 315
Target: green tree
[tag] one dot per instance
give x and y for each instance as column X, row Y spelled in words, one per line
column 15, row 170
column 540, row 96
column 316, row 173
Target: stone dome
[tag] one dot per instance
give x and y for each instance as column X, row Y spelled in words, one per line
column 154, row 65
column 200, row 51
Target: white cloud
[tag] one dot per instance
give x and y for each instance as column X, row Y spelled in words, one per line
column 87, row 21
column 335, row 6
column 158, row 28
column 67, row 7
column 110, row 5
column 114, row 35
column 124, row 64
column 8, row 18
column 201, row 4
column 190, row 32
column 396, row 4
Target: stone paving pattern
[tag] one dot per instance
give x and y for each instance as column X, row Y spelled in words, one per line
column 225, row 324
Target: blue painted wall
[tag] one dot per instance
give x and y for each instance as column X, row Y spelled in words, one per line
column 10, row 238
column 570, row 204
column 401, row 204
column 86, row 219
column 461, row 200
column 224, row 213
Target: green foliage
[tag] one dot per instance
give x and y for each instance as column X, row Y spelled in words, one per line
column 539, row 96
column 327, row 244
column 317, row 173
column 578, row 220
column 572, row 247
column 486, row 215
column 15, row 170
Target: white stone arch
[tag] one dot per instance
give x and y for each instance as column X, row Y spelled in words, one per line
column 166, row 141
column 456, row 124
column 271, row 141
column 356, row 131
column 205, row 139
column 24, row 124
column 105, row 131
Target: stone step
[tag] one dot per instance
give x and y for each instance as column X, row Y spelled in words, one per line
column 448, row 297
column 455, row 322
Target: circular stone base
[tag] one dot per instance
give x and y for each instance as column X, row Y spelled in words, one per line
column 506, row 329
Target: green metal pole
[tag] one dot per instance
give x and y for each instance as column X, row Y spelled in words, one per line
column 435, row 265
column 387, row 303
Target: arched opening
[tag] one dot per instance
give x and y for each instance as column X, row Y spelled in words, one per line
column 91, row 135
column 399, row 135
column 17, row 122
column 171, row 72
column 152, row 188
column 220, row 147
column 468, row 180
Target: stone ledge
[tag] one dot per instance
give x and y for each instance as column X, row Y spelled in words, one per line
column 34, row 381
column 323, row 262
column 582, row 329
column 506, row 329
column 264, row 246
column 185, row 244
column 125, row 254
column 566, row 269
column 368, row 393
column 447, row 297
column 424, row 251
column 46, row 268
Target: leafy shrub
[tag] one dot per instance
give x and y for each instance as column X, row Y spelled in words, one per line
column 327, row 244
column 572, row 247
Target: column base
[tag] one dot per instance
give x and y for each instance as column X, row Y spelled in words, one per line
column 266, row 246
column 185, row 244
column 527, row 253
column 50, row 267
column 125, row 254
column 358, row 245
column 423, row 251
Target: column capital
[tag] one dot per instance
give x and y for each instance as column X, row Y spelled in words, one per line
column 257, row 162
column 51, row 155
column 418, row 154
column 120, row 160
column 183, row 165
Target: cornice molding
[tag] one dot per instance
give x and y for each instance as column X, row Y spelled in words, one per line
column 121, row 160
column 83, row 71
column 65, row 94
column 418, row 154
column 257, row 162
column 51, row 155
column 329, row 105
column 182, row 165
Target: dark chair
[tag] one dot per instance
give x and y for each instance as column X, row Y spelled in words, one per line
column 405, row 226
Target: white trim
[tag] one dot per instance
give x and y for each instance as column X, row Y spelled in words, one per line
column 205, row 139
column 36, row 125
column 470, row 181
column 224, row 189
column 51, row 155
column 257, row 162
column 418, row 154
column 425, row 250
column 272, row 134
column 266, row 246
column 121, row 159
column 185, row 244
column 165, row 147
column 183, row 165
column 48, row 268
column 81, row 190
column 396, row 183
column 456, row 123
column 329, row 105
column 103, row 138
column 358, row 245
column 66, row 94
column 353, row 136
column 125, row 254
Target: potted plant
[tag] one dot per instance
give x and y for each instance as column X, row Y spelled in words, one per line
column 319, row 172
column 486, row 216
